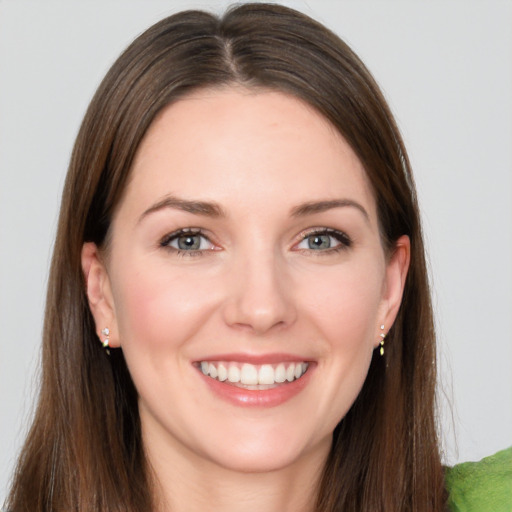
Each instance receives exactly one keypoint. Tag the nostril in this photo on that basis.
(258, 319)
(260, 299)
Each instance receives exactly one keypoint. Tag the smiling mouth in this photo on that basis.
(251, 376)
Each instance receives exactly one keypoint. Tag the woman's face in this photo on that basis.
(245, 281)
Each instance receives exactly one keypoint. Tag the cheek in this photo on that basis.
(158, 307)
(344, 303)
(345, 316)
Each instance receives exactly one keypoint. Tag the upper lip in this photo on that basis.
(255, 358)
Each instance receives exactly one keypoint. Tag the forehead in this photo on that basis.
(243, 146)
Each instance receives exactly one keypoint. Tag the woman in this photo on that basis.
(239, 229)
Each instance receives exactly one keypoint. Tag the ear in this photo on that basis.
(396, 274)
(99, 293)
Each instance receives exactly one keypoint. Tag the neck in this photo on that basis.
(186, 482)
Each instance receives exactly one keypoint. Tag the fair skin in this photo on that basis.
(282, 266)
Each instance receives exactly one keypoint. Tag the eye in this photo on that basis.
(187, 241)
(324, 240)
(318, 242)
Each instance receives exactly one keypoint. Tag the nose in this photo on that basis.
(260, 295)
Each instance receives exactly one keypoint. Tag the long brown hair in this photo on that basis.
(84, 451)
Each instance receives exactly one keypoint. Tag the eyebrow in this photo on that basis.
(196, 207)
(210, 209)
(311, 208)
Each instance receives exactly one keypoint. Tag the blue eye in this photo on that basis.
(324, 240)
(187, 241)
(319, 242)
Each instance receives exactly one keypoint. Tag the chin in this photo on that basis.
(266, 451)
(262, 462)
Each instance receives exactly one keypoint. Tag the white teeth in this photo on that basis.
(222, 373)
(234, 374)
(212, 371)
(280, 373)
(249, 374)
(252, 375)
(266, 375)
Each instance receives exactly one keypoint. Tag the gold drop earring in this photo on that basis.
(382, 338)
(105, 342)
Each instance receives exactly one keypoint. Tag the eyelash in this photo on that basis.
(344, 241)
(165, 242)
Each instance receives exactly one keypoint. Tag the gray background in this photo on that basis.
(446, 69)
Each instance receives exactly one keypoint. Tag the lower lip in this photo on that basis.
(258, 397)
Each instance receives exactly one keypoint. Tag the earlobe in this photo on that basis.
(396, 275)
(99, 294)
